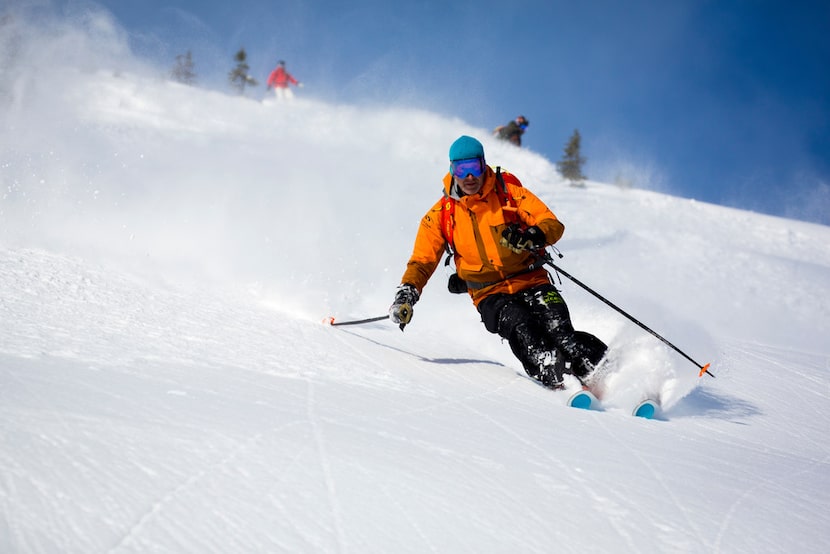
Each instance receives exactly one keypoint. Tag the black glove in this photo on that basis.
(400, 311)
(522, 240)
(456, 284)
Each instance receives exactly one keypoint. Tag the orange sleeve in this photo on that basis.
(429, 246)
(533, 211)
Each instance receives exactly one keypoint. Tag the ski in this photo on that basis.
(583, 400)
(647, 409)
(586, 400)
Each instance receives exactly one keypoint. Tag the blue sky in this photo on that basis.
(721, 101)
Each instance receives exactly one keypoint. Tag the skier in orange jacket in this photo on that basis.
(496, 230)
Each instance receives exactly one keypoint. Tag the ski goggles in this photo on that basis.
(470, 166)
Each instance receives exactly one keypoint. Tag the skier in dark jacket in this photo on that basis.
(513, 131)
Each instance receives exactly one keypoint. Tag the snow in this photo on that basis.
(168, 255)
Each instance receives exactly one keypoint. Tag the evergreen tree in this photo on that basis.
(571, 164)
(239, 77)
(183, 70)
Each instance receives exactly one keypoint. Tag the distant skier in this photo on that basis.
(513, 131)
(497, 231)
(280, 79)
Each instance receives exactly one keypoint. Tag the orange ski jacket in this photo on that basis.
(478, 221)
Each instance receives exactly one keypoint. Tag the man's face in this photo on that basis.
(468, 174)
(470, 184)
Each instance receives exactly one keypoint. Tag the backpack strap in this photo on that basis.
(508, 203)
(448, 224)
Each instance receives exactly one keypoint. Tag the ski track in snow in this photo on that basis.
(658, 478)
(171, 496)
(331, 488)
(773, 488)
(462, 402)
(601, 502)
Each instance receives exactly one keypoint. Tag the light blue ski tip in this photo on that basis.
(646, 409)
(581, 400)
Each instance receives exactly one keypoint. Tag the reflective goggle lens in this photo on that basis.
(462, 168)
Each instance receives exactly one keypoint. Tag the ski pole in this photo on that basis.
(330, 320)
(703, 368)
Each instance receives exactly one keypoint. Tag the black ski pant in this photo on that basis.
(535, 322)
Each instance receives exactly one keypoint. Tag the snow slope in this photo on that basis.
(167, 255)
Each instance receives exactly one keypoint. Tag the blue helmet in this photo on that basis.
(465, 148)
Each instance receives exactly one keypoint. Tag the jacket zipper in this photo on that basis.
(482, 251)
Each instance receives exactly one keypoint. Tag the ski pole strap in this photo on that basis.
(334, 323)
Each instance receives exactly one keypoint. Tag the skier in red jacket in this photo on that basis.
(280, 79)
